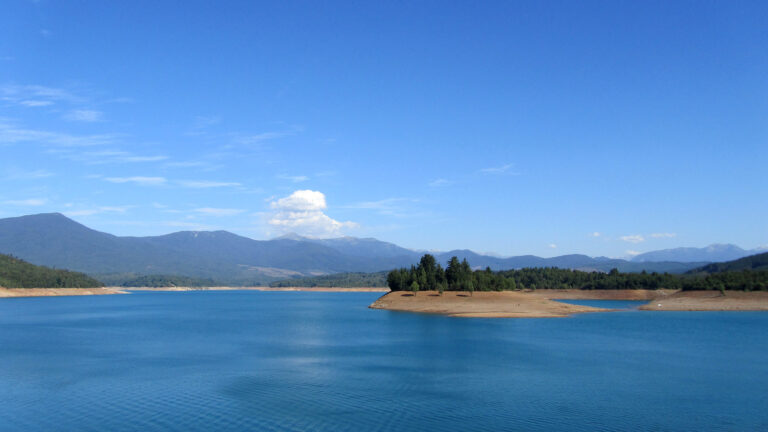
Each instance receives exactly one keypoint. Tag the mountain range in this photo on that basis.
(54, 240)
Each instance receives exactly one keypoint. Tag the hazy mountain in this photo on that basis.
(752, 262)
(711, 253)
(55, 240)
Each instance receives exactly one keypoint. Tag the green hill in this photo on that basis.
(15, 273)
(752, 262)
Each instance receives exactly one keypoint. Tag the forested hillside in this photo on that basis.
(753, 262)
(15, 273)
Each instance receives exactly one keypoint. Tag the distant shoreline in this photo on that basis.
(62, 292)
(506, 304)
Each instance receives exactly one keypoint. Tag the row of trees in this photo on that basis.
(459, 276)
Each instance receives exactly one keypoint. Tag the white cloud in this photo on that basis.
(439, 182)
(295, 179)
(663, 235)
(210, 211)
(26, 202)
(112, 156)
(632, 253)
(18, 174)
(552, 246)
(595, 234)
(259, 138)
(83, 115)
(11, 134)
(303, 212)
(635, 238)
(504, 169)
(36, 93)
(35, 103)
(204, 184)
(144, 181)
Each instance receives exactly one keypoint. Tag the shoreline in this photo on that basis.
(710, 301)
(522, 304)
(63, 292)
(504, 304)
(58, 292)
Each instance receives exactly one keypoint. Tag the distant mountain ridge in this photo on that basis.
(52, 239)
(711, 253)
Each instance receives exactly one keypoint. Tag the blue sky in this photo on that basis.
(605, 128)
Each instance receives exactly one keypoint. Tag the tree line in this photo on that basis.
(15, 273)
(429, 275)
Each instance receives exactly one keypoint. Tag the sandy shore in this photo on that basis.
(507, 304)
(574, 294)
(53, 292)
(710, 301)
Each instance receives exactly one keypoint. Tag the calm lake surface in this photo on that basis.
(261, 361)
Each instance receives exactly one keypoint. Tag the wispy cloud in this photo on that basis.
(211, 211)
(17, 174)
(595, 234)
(23, 94)
(504, 169)
(12, 134)
(144, 181)
(440, 182)
(259, 137)
(204, 184)
(35, 103)
(112, 156)
(635, 238)
(97, 210)
(31, 202)
(83, 115)
(295, 179)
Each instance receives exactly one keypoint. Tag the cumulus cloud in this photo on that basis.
(633, 253)
(303, 212)
(635, 238)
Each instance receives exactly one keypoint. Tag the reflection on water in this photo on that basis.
(236, 361)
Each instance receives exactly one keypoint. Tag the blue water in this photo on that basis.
(253, 361)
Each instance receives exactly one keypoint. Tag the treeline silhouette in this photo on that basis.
(429, 275)
(15, 273)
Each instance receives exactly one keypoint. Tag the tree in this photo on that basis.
(414, 287)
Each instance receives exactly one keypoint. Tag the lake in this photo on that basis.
(298, 361)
